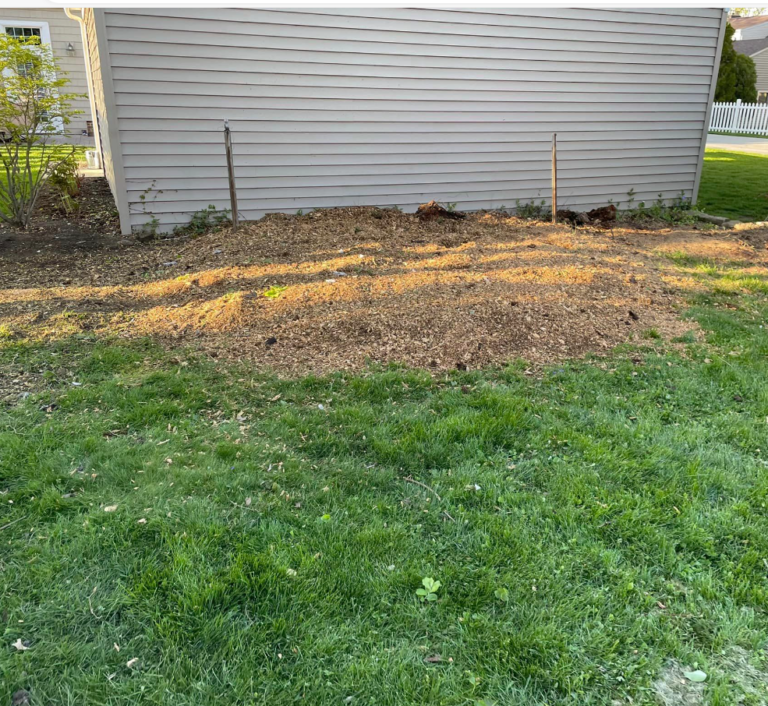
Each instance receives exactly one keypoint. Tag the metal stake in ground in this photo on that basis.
(231, 174)
(554, 177)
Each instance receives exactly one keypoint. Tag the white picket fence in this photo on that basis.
(749, 118)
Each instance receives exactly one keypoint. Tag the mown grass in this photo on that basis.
(592, 523)
(735, 185)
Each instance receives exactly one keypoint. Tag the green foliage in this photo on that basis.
(531, 210)
(673, 211)
(274, 291)
(733, 184)
(206, 220)
(737, 75)
(33, 109)
(429, 590)
(746, 11)
(65, 183)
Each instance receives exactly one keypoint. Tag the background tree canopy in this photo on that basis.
(737, 75)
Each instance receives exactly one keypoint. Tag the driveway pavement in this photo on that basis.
(753, 145)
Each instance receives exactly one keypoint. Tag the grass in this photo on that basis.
(734, 184)
(252, 540)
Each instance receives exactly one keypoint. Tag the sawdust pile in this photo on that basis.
(336, 289)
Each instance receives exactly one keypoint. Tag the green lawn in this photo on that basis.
(240, 539)
(734, 184)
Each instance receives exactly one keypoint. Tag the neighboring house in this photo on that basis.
(758, 50)
(394, 107)
(749, 27)
(63, 34)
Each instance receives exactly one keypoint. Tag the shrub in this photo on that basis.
(33, 110)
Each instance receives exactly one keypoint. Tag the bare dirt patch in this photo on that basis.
(52, 233)
(672, 688)
(338, 288)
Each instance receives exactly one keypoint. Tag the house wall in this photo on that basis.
(101, 121)
(761, 64)
(758, 31)
(63, 31)
(396, 107)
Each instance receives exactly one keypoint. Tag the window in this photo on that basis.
(89, 128)
(23, 32)
(762, 97)
(40, 33)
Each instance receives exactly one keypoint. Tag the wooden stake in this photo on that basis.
(231, 173)
(554, 178)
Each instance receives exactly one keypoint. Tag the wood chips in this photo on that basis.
(336, 289)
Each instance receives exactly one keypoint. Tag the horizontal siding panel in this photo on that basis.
(538, 182)
(225, 30)
(150, 104)
(328, 140)
(284, 23)
(148, 167)
(186, 154)
(216, 185)
(504, 128)
(587, 19)
(252, 119)
(150, 92)
(161, 42)
(237, 57)
(254, 80)
(416, 71)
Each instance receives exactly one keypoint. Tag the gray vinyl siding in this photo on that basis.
(394, 107)
(63, 31)
(761, 64)
(101, 121)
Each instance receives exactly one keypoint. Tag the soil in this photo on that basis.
(52, 233)
(340, 288)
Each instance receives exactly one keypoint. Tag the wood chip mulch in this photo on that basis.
(340, 288)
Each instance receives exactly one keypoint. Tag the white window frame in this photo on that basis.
(45, 38)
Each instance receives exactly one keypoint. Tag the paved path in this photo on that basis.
(753, 145)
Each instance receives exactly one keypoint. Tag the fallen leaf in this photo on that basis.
(19, 645)
(142, 521)
(131, 663)
(697, 676)
(248, 502)
(117, 647)
(433, 659)
(110, 508)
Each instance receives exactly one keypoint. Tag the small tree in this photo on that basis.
(737, 75)
(746, 11)
(33, 110)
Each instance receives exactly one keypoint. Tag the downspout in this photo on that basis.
(88, 77)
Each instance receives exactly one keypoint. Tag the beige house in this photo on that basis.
(758, 50)
(395, 107)
(63, 34)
